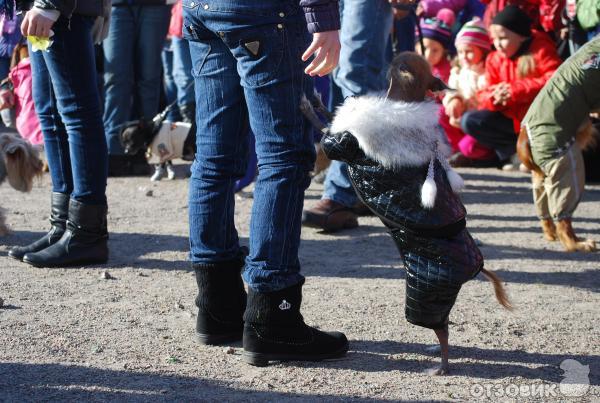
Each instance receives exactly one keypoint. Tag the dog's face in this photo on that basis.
(136, 136)
(21, 161)
(411, 78)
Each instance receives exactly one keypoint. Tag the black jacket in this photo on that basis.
(91, 8)
(389, 148)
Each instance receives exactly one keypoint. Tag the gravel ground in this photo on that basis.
(70, 334)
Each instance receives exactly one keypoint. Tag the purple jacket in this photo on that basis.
(321, 15)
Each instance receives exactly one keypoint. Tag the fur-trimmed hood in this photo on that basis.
(393, 133)
(397, 135)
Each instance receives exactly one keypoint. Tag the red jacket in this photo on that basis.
(499, 69)
(176, 24)
(545, 14)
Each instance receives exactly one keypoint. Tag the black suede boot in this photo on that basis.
(58, 219)
(274, 330)
(221, 301)
(84, 242)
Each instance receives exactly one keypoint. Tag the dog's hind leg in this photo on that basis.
(566, 235)
(549, 229)
(444, 368)
(4, 230)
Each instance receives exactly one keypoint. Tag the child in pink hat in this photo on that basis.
(437, 34)
(472, 45)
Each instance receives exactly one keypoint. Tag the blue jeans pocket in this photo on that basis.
(259, 56)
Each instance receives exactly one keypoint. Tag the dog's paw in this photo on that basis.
(438, 371)
(586, 245)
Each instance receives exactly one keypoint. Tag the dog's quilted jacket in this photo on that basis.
(438, 252)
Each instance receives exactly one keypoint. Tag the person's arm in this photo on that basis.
(38, 22)
(321, 15)
(323, 21)
(485, 97)
(524, 90)
(64, 7)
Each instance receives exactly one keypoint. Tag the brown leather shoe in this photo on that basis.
(329, 216)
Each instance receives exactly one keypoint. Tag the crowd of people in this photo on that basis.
(78, 72)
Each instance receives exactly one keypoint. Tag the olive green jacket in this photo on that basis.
(564, 103)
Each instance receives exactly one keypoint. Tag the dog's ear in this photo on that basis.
(22, 165)
(405, 86)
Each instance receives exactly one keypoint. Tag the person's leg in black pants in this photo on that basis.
(493, 130)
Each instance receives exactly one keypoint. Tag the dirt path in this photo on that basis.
(68, 334)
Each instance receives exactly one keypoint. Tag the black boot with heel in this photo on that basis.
(274, 330)
(84, 242)
(58, 219)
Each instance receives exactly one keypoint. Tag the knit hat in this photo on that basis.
(436, 29)
(473, 33)
(514, 19)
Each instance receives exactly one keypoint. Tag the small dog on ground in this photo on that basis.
(19, 163)
(164, 140)
(555, 130)
(397, 164)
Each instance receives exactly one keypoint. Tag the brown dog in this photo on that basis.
(19, 163)
(563, 229)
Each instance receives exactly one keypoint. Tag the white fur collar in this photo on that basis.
(393, 133)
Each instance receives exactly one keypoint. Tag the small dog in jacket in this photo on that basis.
(19, 163)
(397, 164)
(555, 130)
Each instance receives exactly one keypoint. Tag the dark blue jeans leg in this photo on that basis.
(182, 71)
(72, 70)
(362, 69)
(118, 75)
(56, 141)
(493, 130)
(151, 27)
(273, 82)
(169, 82)
(285, 151)
(222, 121)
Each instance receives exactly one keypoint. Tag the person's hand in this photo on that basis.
(501, 94)
(504, 92)
(420, 11)
(325, 47)
(455, 108)
(7, 99)
(35, 24)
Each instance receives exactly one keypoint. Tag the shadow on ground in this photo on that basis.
(56, 382)
(381, 356)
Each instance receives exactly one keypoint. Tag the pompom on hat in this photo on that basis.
(474, 33)
(439, 28)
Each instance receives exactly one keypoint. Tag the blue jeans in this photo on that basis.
(67, 102)
(362, 69)
(247, 69)
(169, 81)
(182, 71)
(132, 66)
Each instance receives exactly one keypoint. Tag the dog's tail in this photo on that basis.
(524, 152)
(587, 135)
(498, 288)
